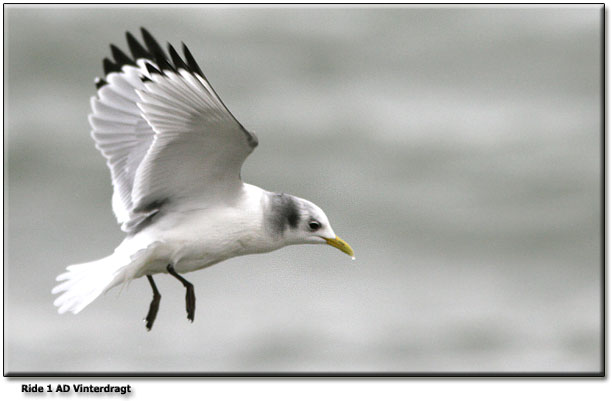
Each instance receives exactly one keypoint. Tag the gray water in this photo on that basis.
(456, 149)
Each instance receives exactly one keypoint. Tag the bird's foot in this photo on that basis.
(190, 302)
(190, 299)
(154, 306)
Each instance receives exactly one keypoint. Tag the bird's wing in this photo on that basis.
(122, 135)
(165, 133)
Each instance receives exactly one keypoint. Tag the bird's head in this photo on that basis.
(299, 221)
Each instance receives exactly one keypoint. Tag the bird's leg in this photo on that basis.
(154, 307)
(189, 297)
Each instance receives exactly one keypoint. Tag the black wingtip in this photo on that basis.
(151, 51)
(163, 64)
(153, 70)
(176, 59)
(152, 45)
(193, 66)
(136, 48)
(109, 66)
(100, 83)
(120, 57)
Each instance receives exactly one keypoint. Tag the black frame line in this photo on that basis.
(347, 375)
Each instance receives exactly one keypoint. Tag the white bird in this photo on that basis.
(175, 153)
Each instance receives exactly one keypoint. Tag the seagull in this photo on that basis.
(175, 154)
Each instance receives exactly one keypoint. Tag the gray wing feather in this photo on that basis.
(165, 134)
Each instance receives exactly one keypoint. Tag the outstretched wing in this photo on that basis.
(165, 133)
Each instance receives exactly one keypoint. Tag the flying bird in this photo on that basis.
(175, 153)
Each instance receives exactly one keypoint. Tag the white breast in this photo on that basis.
(194, 238)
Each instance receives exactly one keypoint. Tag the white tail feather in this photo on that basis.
(85, 282)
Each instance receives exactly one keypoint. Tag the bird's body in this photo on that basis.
(192, 238)
(175, 154)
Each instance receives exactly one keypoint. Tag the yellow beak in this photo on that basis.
(340, 244)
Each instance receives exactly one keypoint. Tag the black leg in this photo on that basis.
(154, 307)
(189, 297)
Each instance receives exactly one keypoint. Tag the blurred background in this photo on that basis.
(457, 149)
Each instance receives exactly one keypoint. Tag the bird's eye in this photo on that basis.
(314, 225)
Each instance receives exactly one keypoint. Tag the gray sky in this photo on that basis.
(457, 149)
